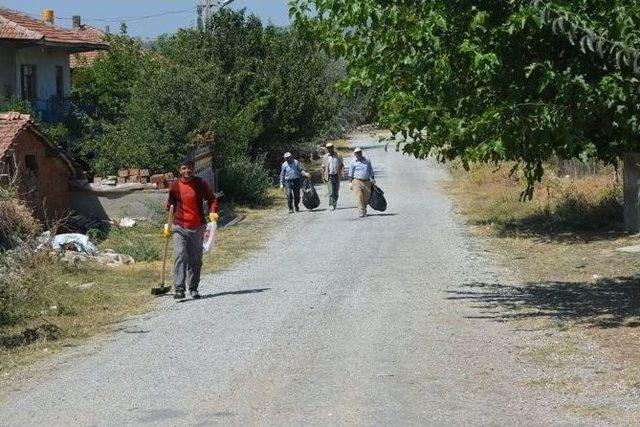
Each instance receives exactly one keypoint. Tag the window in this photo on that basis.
(28, 82)
(59, 81)
(30, 162)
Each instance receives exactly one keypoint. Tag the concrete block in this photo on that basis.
(123, 173)
(122, 180)
(97, 180)
(144, 172)
(134, 172)
(143, 179)
(133, 179)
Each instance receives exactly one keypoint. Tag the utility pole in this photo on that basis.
(205, 10)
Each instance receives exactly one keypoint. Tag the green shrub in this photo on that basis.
(246, 181)
(140, 251)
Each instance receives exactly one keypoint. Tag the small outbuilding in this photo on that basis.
(39, 169)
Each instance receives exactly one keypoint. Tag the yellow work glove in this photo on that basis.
(166, 231)
(213, 217)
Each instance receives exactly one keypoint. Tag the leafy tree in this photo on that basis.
(491, 81)
(104, 88)
(260, 90)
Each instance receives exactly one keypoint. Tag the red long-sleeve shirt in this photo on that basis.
(187, 198)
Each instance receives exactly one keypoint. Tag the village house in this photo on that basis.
(89, 33)
(39, 169)
(35, 60)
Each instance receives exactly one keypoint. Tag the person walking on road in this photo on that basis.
(290, 175)
(332, 169)
(187, 195)
(361, 180)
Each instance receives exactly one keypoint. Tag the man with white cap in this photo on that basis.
(332, 168)
(290, 175)
(361, 180)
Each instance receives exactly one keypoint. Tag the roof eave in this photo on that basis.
(73, 47)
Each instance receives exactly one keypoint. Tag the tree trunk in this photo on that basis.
(632, 192)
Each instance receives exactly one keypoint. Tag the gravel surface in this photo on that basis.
(339, 320)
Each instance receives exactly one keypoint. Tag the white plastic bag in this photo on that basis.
(209, 236)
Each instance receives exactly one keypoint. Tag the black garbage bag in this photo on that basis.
(377, 200)
(310, 198)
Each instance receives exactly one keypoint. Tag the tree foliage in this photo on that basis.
(492, 81)
(260, 90)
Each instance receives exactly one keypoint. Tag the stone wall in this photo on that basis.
(118, 203)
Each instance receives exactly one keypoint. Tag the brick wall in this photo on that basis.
(43, 177)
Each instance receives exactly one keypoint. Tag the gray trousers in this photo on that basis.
(334, 189)
(187, 257)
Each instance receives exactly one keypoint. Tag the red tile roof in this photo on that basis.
(21, 27)
(11, 124)
(87, 32)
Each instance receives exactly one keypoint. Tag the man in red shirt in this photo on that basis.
(187, 195)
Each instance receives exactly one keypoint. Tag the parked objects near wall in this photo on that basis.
(134, 192)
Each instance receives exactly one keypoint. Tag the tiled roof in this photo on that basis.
(10, 126)
(19, 26)
(92, 34)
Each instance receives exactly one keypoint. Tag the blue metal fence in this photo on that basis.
(52, 110)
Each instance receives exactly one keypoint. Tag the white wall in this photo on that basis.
(45, 59)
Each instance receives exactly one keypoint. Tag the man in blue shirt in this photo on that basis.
(361, 179)
(290, 175)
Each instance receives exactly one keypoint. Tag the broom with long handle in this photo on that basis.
(162, 288)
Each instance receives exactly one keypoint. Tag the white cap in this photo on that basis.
(287, 155)
(358, 150)
(329, 144)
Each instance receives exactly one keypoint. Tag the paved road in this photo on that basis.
(337, 321)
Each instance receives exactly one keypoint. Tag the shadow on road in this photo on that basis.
(607, 303)
(222, 294)
(382, 214)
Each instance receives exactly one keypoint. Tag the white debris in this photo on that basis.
(127, 222)
(74, 241)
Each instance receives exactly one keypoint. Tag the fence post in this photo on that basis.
(632, 192)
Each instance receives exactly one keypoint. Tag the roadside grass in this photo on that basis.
(78, 302)
(561, 207)
(574, 287)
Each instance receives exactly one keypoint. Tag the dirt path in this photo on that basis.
(337, 321)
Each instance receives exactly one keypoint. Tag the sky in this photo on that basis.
(95, 12)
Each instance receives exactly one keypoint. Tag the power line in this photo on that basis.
(134, 18)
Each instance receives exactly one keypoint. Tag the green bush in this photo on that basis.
(246, 181)
(140, 251)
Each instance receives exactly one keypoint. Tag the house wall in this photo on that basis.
(45, 59)
(7, 70)
(46, 190)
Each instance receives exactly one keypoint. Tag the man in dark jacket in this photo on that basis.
(187, 195)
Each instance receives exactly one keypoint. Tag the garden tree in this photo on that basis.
(259, 89)
(493, 80)
(105, 86)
